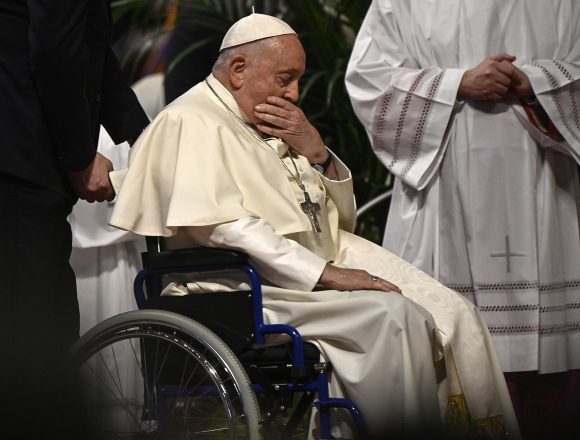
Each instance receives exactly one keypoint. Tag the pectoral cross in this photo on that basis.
(311, 208)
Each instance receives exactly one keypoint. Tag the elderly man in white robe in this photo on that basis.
(473, 106)
(234, 163)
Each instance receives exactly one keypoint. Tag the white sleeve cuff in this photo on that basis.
(281, 261)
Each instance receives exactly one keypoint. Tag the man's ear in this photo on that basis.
(237, 71)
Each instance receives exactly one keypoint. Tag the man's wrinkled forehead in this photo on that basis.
(283, 53)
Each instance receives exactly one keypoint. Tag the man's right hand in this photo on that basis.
(338, 278)
(490, 80)
(521, 87)
(92, 184)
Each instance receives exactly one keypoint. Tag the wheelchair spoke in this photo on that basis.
(145, 382)
(109, 390)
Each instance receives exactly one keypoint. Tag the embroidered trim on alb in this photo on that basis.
(514, 308)
(403, 116)
(571, 90)
(514, 285)
(420, 129)
(560, 308)
(528, 308)
(547, 330)
(381, 120)
(556, 98)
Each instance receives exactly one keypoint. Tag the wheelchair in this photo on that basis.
(197, 366)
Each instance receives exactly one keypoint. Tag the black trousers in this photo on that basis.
(39, 314)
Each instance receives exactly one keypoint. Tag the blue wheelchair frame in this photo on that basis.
(165, 262)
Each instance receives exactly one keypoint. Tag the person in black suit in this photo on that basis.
(59, 80)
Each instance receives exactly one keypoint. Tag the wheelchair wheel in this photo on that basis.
(159, 375)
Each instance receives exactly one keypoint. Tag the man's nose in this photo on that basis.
(292, 93)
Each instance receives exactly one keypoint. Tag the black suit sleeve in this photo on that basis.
(59, 60)
(121, 114)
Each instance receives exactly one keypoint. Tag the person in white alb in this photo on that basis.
(473, 106)
(234, 163)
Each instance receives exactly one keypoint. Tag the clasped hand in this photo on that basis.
(283, 119)
(92, 183)
(495, 79)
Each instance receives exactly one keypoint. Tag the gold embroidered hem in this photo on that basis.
(457, 416)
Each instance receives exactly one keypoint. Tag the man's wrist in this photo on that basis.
(531, 100)
(323, 166)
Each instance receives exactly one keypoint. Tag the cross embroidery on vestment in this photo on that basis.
(508, 254)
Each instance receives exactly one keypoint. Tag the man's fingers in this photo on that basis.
(280, 102)
(506, 67)
(392, 287)
(503, 56)
(496, 97)
(383, 285)
(502, 80)
(274, 120)
(272, 110)
(106, 194)
(97, 190)
(90, 198)
(98, 196)
(501, 90)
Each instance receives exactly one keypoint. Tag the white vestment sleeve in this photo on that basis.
(282, 261)
(341, 193)
(556, 84)
(405, 109)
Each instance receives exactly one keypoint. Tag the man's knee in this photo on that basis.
(402, 309)
(410, 323)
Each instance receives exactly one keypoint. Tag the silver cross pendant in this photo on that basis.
(311, 208)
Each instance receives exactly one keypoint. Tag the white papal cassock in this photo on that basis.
(199, 175)
(483, 201)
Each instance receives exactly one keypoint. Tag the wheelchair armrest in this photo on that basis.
(157, 262)
(201, 256)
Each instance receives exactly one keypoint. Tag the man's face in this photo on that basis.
(274, 71)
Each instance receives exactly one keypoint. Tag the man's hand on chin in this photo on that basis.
(283, 119)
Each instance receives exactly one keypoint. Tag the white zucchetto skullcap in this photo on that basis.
(255, 27)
